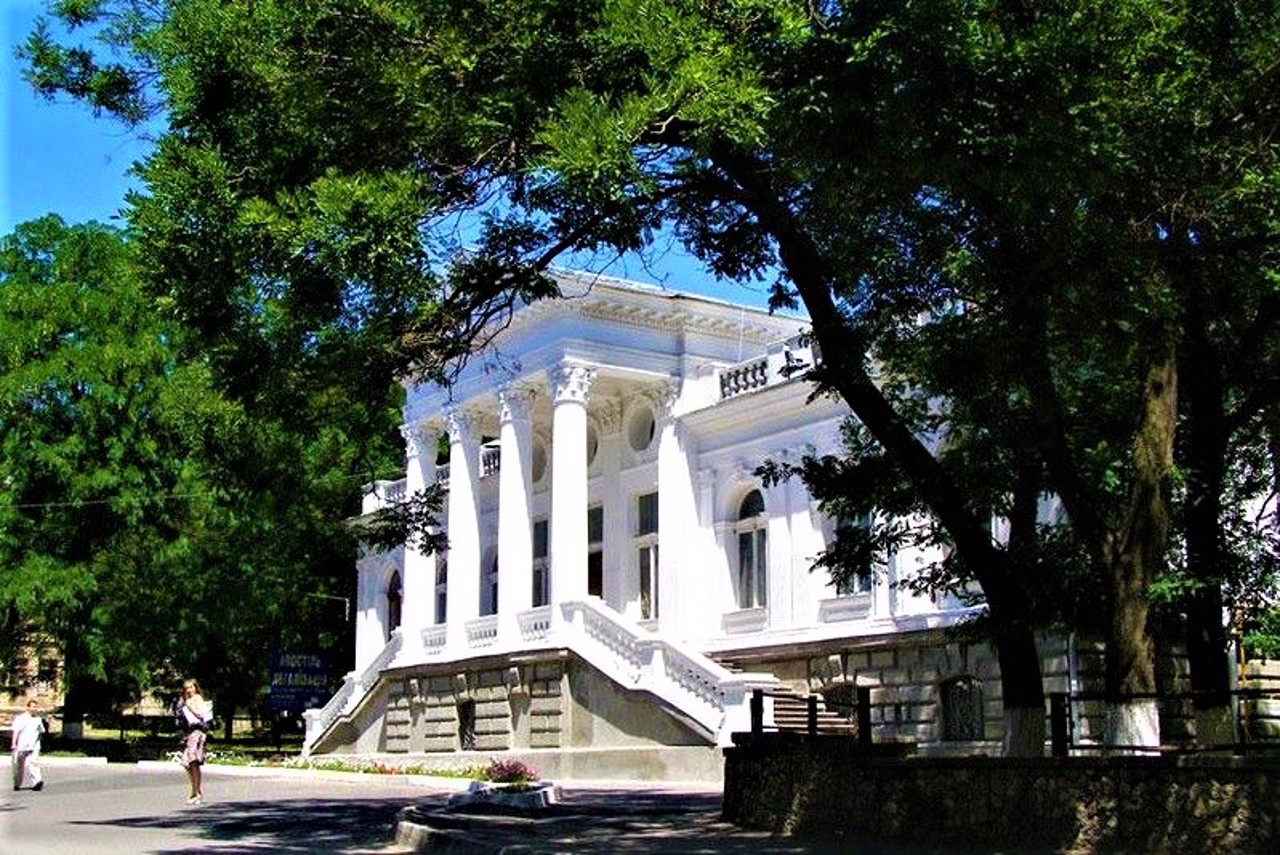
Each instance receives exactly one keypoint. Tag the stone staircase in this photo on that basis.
(791, 714)
(691, 686)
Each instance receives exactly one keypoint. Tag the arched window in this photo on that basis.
(753, 552)
(961, 699)
(395, 599)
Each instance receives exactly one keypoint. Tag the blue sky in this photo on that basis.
(59, 158)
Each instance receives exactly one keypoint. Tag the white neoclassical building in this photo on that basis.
(618, 579)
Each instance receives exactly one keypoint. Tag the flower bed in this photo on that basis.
(509, 783)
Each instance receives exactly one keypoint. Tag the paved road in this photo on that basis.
(105, 810)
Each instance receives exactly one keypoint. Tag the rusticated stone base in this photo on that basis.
(1079, 804)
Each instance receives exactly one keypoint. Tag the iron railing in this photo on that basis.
(1063, 708)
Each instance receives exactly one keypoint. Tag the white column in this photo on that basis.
(370, 638)
(677, 517)
(419, 567)
(570, 382)
(515, 524)
(612, 499)
(782, 502)
(700, 584)
(464, 529)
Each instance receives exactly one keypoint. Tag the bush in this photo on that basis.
(511, 772)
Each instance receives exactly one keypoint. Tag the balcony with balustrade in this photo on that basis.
(784, 362)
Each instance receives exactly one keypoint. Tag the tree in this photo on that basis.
(91, 424)
(976, 180)
(148, 523)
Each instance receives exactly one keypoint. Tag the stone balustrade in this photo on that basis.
(630, 655)
(785, 361)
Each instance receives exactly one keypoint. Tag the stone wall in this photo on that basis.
(1261, 716)
(907, 677)
(546, 710)
(1084, 805)
(437, 721)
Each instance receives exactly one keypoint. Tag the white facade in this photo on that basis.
(602, 500)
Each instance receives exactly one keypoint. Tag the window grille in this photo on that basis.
(962, 709)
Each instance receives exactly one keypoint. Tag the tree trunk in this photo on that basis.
(1135, 556)
(1206, 453)
(1023, 701)
(845, 355)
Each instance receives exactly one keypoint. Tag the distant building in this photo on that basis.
(34, 672)
(618, 579)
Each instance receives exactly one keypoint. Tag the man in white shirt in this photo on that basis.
(25, 742)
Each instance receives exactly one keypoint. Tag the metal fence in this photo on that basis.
(1252, 709)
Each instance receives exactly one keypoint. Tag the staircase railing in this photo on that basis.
(700, 688)
(693, 685)
(354, 688)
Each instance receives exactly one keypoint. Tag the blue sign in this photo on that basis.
(299, 681)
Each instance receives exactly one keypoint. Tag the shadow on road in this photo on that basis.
(293, 825)
(597, 820)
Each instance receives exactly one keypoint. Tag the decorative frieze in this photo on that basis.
(607, 414)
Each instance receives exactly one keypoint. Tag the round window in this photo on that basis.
(593, 444)
(640, 428)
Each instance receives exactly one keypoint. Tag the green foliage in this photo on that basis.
(1262, 636)
(1015, 211)
(138, 495)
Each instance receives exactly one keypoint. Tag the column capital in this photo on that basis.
(458, 422)
(662, 396)
(514, 403)
(419, 438)
(671, 394)
(570, 381)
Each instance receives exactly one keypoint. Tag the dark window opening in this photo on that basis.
(961, 709)
(394, 602)
(467, 725)
(595, 574)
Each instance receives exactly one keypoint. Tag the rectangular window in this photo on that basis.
(541, 573)
(649, 582)
(646, 543)
(753, 561)
(595, 574)
(595, 551)
(442, 589)
(647, 514)
(857, 532)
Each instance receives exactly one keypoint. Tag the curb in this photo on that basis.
(439, 831)
(433, 782)
(54, 760)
